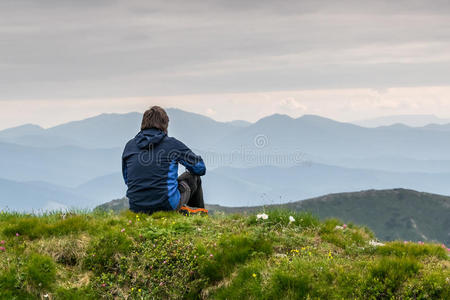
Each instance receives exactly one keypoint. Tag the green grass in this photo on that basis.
(395, 214)
(169, 256)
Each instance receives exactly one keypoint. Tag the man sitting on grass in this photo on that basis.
(150, 169)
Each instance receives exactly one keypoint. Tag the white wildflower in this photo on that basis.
(291, 219)
(375, 243)
(339, 227)
(280, 255)
(262, 216)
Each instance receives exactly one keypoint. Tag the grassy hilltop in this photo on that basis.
(170, 256)
(395, 214)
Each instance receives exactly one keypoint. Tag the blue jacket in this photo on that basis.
(150, 170)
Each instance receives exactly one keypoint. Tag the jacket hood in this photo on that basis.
(148, 137)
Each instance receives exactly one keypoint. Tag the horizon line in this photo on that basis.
(355, 122)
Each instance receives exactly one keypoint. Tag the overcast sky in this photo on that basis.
(68, 59)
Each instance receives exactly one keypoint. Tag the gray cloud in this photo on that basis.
(63, 49)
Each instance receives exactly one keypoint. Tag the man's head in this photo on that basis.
(155, 117)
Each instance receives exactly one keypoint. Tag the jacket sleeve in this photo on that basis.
(193, 163)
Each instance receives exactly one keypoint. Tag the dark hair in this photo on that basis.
(155, 117)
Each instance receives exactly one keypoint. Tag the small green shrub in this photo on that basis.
(388, 274)
(40, 272)
(247, 282)
(347, 238)
(153, 232)
(30, 227)
(103, 254)
(11, 286)
(357, 238)
(432, 286)
(411, 249)
(232, 250)
(35, 227)
(348, 280)
(289, 285)
(336, 238)
(329, 225)
(182, 228)
(8, 280)
(70, 225)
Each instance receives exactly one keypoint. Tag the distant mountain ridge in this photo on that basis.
(114, 130)
(327, 138)
(65, 165)
(26, 129)
(311, 134)
(274, 185)
(29, 196)
(38, 197)
(409, 120)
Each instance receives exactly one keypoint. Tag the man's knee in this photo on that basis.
(192, 180)
(195, 181)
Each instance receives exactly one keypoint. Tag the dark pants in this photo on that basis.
(190, 187)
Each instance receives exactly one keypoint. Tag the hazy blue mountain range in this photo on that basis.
(102, 188)
(409, 120)
(444, 127)
(34, 196)
(276, 159)
(114, 130)
(23, 130)
(272, 185)
(309, 134)
(40, 195)
(66, 165)
(240, 123)
(326, 138)
(103, 131)
(392, 164)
